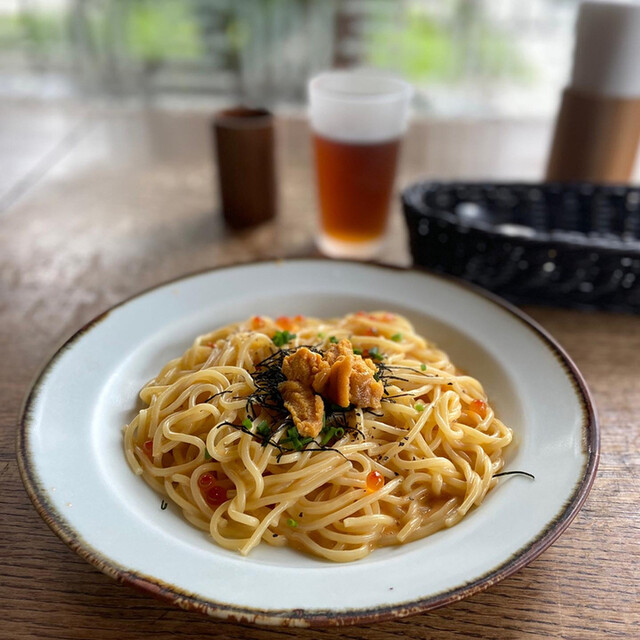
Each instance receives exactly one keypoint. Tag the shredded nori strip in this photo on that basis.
(268, 376)
(513, 473)
(401, 366)
(264, 440)
(215, 395)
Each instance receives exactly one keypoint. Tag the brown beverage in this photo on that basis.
(245, 153)
(355, 182)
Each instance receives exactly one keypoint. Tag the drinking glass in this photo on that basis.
(358, 119)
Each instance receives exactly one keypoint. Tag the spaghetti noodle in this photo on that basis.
(216, 437)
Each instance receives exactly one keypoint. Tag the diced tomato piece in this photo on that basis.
(479, 406)
(206, 480)
(215, 496)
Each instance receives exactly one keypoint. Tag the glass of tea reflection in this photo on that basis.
(358, 119)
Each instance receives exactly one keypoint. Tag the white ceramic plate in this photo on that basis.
(72, 463)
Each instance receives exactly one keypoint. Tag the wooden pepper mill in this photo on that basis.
(598, 125)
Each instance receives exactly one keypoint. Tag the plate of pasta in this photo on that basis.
(309, 442)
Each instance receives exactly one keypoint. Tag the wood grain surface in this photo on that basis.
(101, 205)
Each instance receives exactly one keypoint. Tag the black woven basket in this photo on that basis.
(557, 244)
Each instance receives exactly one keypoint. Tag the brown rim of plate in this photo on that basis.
(320, 618)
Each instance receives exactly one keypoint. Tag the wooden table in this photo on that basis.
(95, 206)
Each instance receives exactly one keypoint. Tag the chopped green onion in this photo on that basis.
(282, 337)
(423, 367)
(419, 407)
(207, 455)
(376, 376)
(357, 352)
(294, 439)
(396, 337)
(333, 340)
(374, 354)
(263, 429)
(330, 433)
(327, 436)
(247, 424)
(292, 523)
(321, 335)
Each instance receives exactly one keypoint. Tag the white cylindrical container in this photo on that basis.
(598, 126)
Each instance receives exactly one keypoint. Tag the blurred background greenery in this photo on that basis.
(480, 58)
